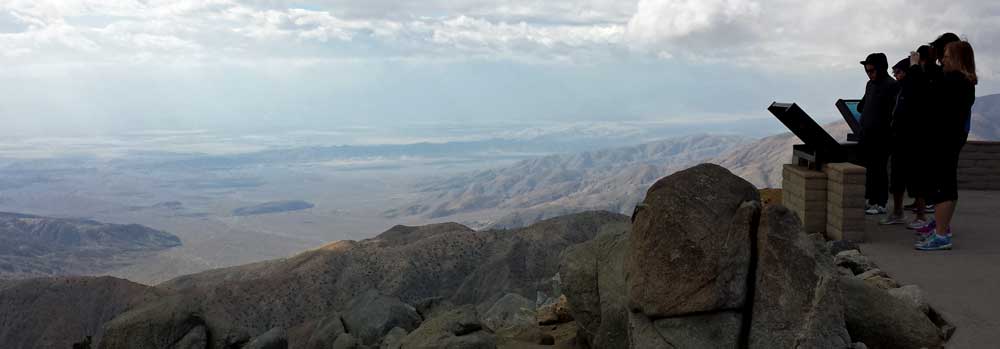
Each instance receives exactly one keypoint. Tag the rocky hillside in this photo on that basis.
(760, 162)
(702, 265)
(32, 246)
(541, 188)
(404, 273)
(57, 312)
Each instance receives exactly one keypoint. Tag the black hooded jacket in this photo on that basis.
(913, 116)
(876, 109)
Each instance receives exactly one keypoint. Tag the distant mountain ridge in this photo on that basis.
(986, 118)
(32, 246)
(610, 179)
(273, 207)
(614, 179)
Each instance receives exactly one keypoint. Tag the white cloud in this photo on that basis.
(658, 20)
(769, 34)
(793, 34)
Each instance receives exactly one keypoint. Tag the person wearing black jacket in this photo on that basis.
(954, 95)
(921, 75)
(876, 114)
(904, 143)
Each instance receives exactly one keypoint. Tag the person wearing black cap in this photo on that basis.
(876, 114)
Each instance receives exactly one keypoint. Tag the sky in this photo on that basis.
(82, 67)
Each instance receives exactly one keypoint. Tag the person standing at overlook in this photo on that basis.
(954, 96)
(905, 142)
(876, 114)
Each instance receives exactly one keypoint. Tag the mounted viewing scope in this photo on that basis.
(820, 148)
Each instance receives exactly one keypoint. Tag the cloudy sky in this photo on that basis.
(72, 67)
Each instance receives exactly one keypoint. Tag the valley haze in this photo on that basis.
(261, 197)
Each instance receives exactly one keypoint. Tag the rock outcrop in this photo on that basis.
(593, 275)
(690, 244)
(705, 265)
(797, 302)
(374, 285)
(456, 329)
(882, 321)
(57, 312)
(372, 315)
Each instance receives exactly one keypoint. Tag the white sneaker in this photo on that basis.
(876, 209)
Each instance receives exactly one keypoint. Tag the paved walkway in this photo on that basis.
(964, 283)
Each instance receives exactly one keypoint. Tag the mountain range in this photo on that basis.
(613, 179)
(610, 179)
(33, 246)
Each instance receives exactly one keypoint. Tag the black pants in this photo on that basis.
(876, 157)
(945, 169)
(904, 174)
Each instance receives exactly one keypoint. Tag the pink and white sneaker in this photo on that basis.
(916, 223)
(926, 228)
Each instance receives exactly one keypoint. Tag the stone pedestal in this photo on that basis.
(804, 192)
(845, 216)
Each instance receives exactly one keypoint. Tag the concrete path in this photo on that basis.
(963, 283)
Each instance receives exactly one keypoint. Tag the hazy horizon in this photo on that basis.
(97, 68)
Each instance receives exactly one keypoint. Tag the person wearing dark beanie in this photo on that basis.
(876, 114)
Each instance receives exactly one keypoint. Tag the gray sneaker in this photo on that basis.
(892, 219)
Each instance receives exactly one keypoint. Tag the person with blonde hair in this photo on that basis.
(954, 94)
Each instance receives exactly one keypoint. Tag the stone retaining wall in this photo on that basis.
(845, 205)
(829, 201)
(803, 191)
(979, 166)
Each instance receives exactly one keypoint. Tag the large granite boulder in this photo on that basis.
(712, 330)
(855, 261)
(323, 333)
(197, 338)
(556, 313)
(372, 315)
(167, 323)
(690, 244)
(393, 339)
(797, 302)
(510, 311)
(593, 279)
(880, 320)
(275, 338)
(459, 328)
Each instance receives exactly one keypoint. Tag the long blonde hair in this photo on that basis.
(959, 57)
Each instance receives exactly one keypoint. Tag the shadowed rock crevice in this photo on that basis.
(744, 341)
